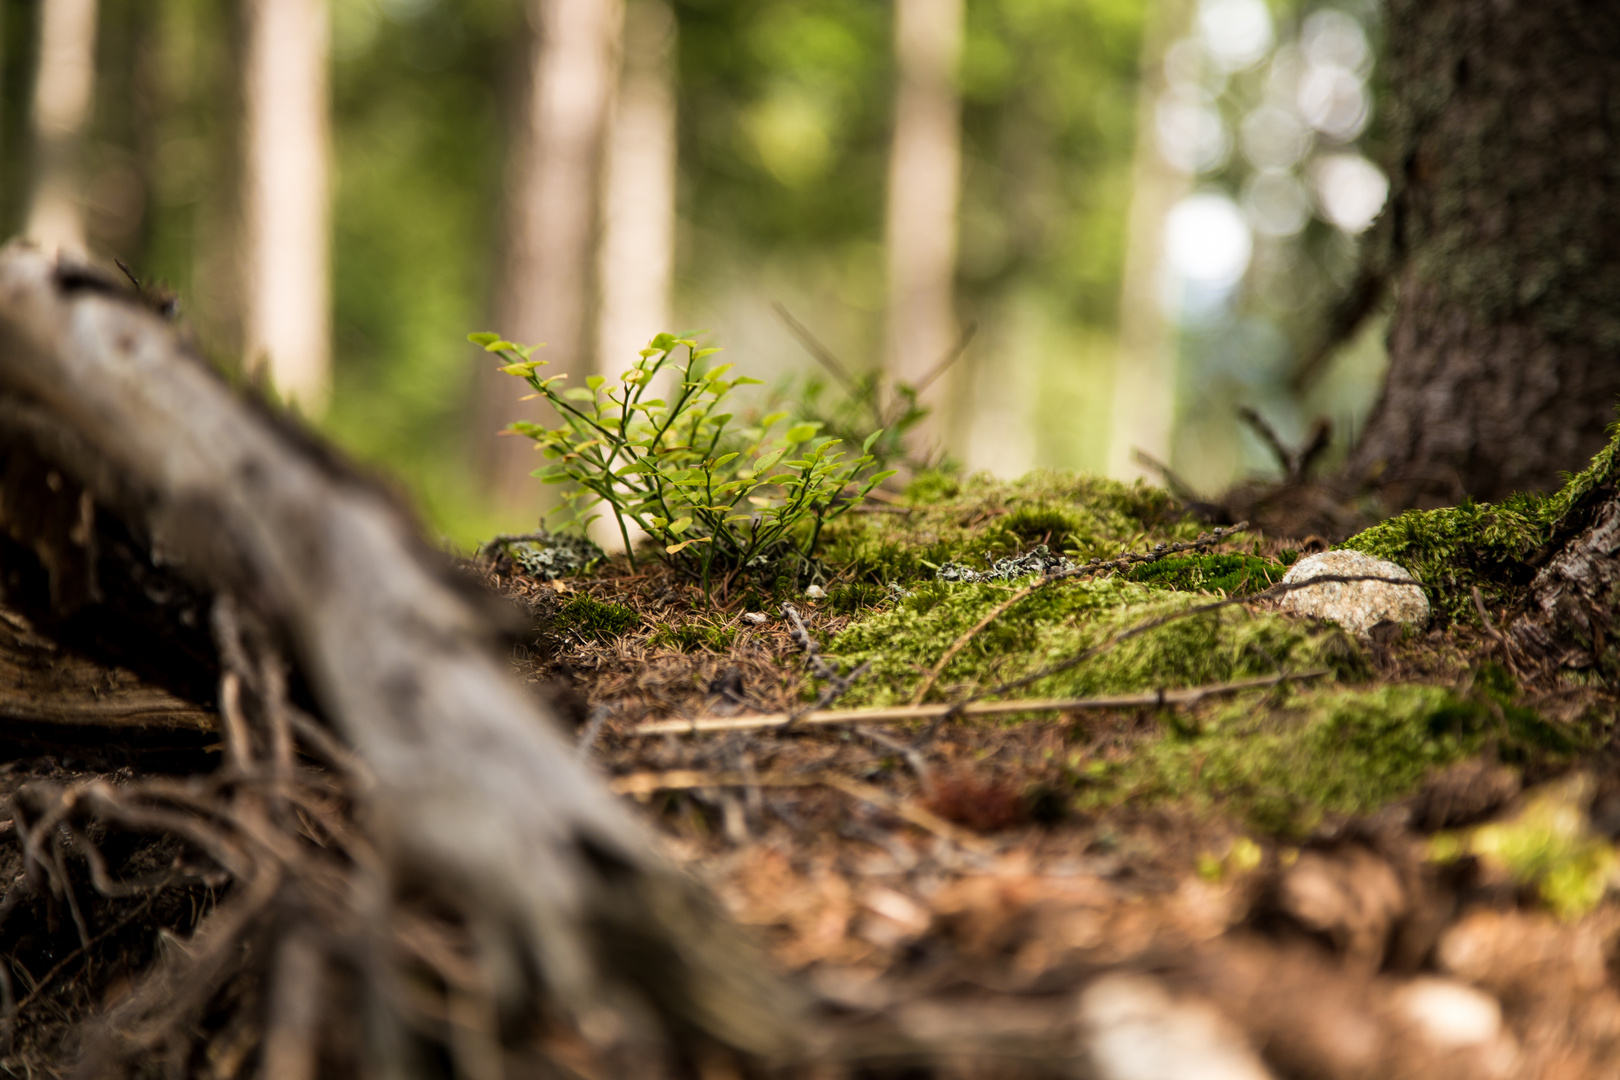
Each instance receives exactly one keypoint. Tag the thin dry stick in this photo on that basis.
(1095, 566)
(913, 757)
(944, 362)
(812, 345)
(1496, 635)
(837, 684)
(650, 783)
(894, 714)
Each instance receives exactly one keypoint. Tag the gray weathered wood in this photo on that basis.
(474, 792)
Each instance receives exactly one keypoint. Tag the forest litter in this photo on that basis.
(1214, 832)
(1124, 816)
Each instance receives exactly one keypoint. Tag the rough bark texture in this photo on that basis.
(1502, 240)
(139, 491)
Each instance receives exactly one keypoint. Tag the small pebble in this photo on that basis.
(815, 592)
(755, 618)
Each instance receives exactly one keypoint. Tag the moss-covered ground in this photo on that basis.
(1374, 723)
(1370, 798)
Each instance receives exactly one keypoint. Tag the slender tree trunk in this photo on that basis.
(924, 189)
(637, 257)
(1143, 416)
(64, 92)
(287, 312)
(1502, 241)
(553, 194)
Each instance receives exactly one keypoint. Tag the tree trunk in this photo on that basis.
(64, 92)
(924, 186)
(1144, 409)
(553, 194)
(636, 263)
(138, 494)
(1502, 242)
(287, 312)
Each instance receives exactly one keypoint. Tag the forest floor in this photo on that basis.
(1217, 839)
(1391, 858)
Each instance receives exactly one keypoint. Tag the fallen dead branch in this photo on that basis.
(899, 714)
(141, 501)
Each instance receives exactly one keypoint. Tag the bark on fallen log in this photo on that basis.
(137, 490)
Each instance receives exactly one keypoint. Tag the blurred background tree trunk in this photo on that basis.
(637, 257)
(637, 252)
(64, 92)
(286, 310)
(925, 166)
(1144, 390)
(1502, 242)
(554, 186)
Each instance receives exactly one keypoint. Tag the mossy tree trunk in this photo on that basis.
(1502, 241)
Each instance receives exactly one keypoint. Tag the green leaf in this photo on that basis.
(674, 548)
(870, 439)
(579, 393)
(877, 479)
(483, 338)
(767, 461)
(710, 351)
(773, 418)
(594, 381)
(798, 433)
(680, 525)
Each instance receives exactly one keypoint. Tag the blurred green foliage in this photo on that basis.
(784, 113)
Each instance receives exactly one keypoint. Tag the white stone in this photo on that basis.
(1355, 605)
(1452, 1015)
(1134, 1030)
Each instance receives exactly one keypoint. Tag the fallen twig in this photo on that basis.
(892, 714)
(1497, 636)
(838, 684)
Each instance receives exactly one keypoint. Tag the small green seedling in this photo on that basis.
(724, 494)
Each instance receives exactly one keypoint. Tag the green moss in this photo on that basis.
(1550, 844)
(1328, 750)
(849, 599)
(692, 636)
(904, 641)
(594, 619)
(1210, 573)
(1484, 546)
(977, 520)
(1455, 550)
